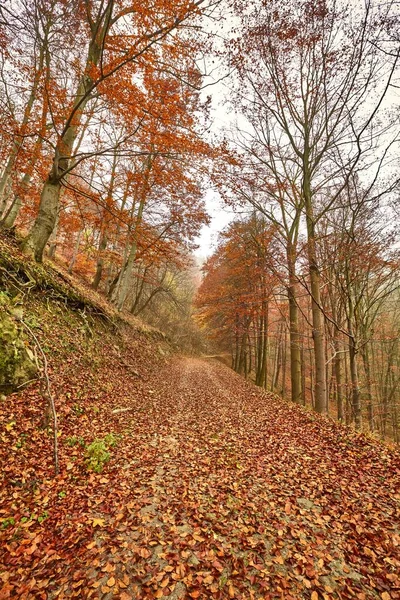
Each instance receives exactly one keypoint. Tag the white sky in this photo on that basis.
(220, 215)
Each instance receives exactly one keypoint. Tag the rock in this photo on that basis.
(17, 364)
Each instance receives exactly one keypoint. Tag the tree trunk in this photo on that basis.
(295, 351)
(12, 212)
(303, 376)
(317, 316)
(278, 360)
(76, 251)
(338, 377)
(53, 237)
(367, 371)
(36, 241)
(121, 290)
(284, 355)
(5, 197)
(355, 390)
(17, 144)
(100, 261)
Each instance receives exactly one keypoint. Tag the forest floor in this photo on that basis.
(214, 490)
(212, 487)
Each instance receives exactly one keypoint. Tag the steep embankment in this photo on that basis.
(212, 488)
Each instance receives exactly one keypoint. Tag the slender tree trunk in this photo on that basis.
(348, 387)
(303, 376)
(367, 371)
(356, 401)
(338, 377)
(317, 315)
(295, 351)
(284, 361)
(13, 210)
(5, 197)
(76, 251)
(121, 290)
(100, 260)
(278, 361)
(18, 142)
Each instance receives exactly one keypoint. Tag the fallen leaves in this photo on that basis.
(209, 494)
(98, 522)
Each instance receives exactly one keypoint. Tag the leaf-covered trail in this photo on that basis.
(218, 490)
(267, 499)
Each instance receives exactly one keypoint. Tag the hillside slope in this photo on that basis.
(178, 479)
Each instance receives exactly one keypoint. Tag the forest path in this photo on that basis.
(215, 489)
(252, 497)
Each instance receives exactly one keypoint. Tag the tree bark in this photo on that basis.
(338, 377)
(367, 371)
(100, 260)
(295, 350)
(36, 241)
(317, 316)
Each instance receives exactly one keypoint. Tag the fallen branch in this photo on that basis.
(47, 392)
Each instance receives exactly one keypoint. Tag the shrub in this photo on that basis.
(97, 453)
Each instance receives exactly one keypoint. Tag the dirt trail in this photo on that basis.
(254, 498)
(219, 490)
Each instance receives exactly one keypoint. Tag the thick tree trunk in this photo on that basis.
(53, 237)
(37, 239)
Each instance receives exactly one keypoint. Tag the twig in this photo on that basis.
(49, 395)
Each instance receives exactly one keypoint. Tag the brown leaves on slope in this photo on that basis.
(214, 490)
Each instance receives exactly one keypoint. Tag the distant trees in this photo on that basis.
(235, 296)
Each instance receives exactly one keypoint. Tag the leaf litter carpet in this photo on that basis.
(215, 489)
